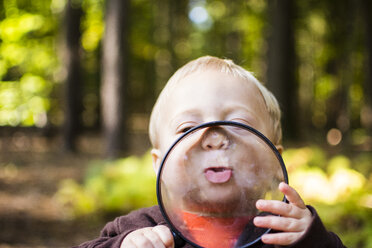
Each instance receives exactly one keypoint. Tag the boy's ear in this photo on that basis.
(156, 159)
(280, 149)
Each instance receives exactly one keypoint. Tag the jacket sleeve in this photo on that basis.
(114, 232)
(317, 235)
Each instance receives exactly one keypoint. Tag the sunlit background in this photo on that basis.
(316, 57)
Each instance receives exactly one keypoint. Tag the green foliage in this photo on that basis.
(28, 62)
(115, 186)
(24, 102)
(341, 194)
(325, 180)
(162, 36)
(92, 24)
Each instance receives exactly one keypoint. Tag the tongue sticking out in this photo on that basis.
(218, 175)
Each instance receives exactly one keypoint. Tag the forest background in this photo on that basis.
(78, 79)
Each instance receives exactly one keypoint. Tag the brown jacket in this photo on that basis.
(114, 232)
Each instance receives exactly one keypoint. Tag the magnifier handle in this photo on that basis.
(178, 241)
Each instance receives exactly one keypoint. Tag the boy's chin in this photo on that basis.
(219, 203)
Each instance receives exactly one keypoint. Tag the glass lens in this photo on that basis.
(210, 181)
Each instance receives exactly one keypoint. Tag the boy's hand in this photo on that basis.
(293, 221)
(149, 237)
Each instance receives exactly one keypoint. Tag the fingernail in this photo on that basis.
(257, 221)
(260, 203)
(282, 184)
(264, 238)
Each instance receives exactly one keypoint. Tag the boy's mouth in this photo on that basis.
(218, 174)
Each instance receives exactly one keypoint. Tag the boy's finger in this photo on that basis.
(278, 223)
(154, 239)
(165, 235)
(292, 195)
(286, 238)
(279, 208)
(141, 241)
(128, 244)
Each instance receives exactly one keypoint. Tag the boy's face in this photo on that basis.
(216, 163)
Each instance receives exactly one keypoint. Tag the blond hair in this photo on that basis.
(223, 65)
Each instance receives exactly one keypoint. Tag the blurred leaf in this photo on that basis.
(120, 185)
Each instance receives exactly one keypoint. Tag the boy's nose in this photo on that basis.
(215, 139)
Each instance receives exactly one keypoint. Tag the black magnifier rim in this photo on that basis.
(201, 126)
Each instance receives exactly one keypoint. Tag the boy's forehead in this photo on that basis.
(209, 74)
(219, 79)
(208, 83)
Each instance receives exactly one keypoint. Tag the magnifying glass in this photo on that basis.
(210, 179)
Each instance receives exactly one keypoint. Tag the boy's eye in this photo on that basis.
(184, 126)
(185, 129)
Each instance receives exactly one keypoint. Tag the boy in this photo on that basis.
(210, 89)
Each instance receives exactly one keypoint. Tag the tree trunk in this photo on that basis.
(2, 10)
(341, 20)
(178, 28)
(281, 77)
(114, 77)
(73, 84)
(366, 115)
